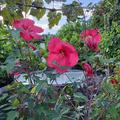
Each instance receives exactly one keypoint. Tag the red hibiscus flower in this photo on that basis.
(88, 69)
(92, 38)
(114, 81)
(91, 34)
(28, 31)
(32, 47)
(61, 55)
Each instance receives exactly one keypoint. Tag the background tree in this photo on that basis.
(13, 10)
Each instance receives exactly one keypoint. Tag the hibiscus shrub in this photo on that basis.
(5, 44)
(93, 98)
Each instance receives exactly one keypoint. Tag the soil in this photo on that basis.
(5, 81)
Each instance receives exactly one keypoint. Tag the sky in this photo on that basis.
(43, 22)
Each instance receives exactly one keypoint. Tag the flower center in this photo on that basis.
(62, 53)
(88, 37)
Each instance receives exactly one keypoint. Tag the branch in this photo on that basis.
(46, 8)
(38, 7)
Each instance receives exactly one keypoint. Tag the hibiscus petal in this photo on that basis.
(54, 61)
(23, 23)
(26, 36)
(92, 44)
(36, 29)
(70, 54)
(63, 61)
(84, 34)
(35, 36)
(69, 47)
(52, 58)
(73, 59)
(26, 23)
(17, 24)
(52, 43)
(96, 34)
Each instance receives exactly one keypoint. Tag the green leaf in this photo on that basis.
(16, 103)
(39, 13)
(53, 18)
(31, 103)
(65, 110)
(80, 97)
(4, 96)
(33, 90)
(12, 115)
(117, 106)
(112, 110)
(7, 108)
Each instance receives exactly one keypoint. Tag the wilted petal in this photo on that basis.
(88, 69)
(32, 47)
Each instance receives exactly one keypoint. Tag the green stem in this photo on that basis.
(59, 97)
(30, 61)
(20, 51)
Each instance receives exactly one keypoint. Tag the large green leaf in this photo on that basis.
(12, 115)
(39, 13)
(53, 18)
(15, 102)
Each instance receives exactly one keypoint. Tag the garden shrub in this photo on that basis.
(93, 46)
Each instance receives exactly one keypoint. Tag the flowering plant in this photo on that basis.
(42, 97)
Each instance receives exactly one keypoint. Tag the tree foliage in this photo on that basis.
(13, 10)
